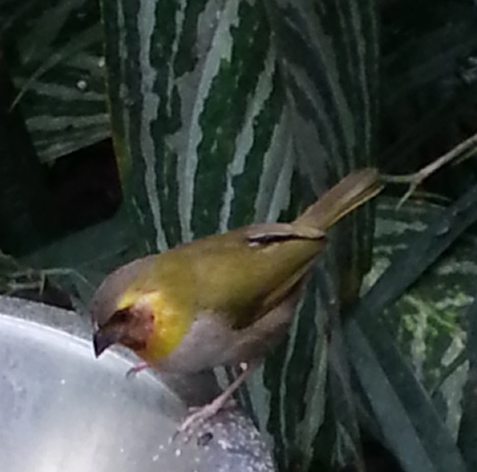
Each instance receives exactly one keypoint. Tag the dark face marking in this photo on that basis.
(130, 327)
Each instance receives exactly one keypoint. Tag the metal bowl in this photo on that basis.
(63, 410)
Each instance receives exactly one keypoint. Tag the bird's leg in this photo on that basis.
(205, 412)
(133, 371)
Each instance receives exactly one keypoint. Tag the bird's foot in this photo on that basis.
(133, 371)
(199, 415)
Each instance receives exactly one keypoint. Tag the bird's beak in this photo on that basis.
(101, 342)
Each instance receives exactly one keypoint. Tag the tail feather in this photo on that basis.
(349, 193)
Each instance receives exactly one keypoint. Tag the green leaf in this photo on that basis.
(468, 427)
(226, 113)
(428, 319)
(58, 68)
(328, 58)
(425, 249)
(329, 86)
(422, 424)
(409, 424)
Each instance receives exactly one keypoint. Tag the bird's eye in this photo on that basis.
(121, 316)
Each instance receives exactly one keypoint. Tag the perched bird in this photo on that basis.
(224, 299)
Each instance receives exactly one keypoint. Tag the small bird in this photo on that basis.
(223, 299)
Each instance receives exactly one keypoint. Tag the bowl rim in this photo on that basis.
(188, 390)
(62, 321)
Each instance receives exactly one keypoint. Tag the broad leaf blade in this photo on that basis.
(468, 426)
(405, 268)
(215, 130)
(59, 72)
(328, 58)
(410, 425)
(428, 320)
(328, 62)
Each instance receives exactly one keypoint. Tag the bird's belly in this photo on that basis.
(210, 342)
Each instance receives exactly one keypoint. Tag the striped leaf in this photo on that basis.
(412, 424)
(429, 319)
(433, 323)
(230, 112)
(467, 436)
(55, 51)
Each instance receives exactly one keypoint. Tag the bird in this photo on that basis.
(222, 300)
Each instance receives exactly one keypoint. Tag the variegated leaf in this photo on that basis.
(467, 435)
(432, 321)
(55, 52)
(428, 321)
(229, 112)
(411, 423)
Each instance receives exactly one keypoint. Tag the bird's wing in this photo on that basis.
(245, 273)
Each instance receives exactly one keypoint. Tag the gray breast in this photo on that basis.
(210, 342)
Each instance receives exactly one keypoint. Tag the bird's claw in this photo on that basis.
(133, 371)
(230, 403)
(199, 415)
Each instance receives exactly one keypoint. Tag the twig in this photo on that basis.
(416, 179)
(67, 271)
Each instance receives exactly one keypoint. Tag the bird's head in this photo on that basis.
(130, 324)
(121, 310)
(136, 308)
(130, 327)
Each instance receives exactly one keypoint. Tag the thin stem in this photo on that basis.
(416, 178)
